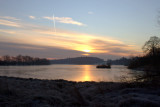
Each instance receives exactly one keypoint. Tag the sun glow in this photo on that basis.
(86, 54)
(84, 48)
(87, 51)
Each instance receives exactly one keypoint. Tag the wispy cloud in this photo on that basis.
(32, 17)
(7, 31)
(17, 23)
(90, 12)
(9, 17)
(9, 23)
(114, 48)
(67, 20)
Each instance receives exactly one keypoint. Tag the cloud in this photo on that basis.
(7, 31)
(9, 23)
(72, 41)
(96, 44)
(66, 20)
(4, 45)
(17, 23)
(90, 12)
(42, 36)
(9, 17)
(14, 49)
(32, 17)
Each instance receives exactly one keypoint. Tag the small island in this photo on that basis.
(104, 66)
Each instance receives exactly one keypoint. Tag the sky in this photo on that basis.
(56, 29)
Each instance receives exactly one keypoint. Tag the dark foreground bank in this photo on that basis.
(18, 92)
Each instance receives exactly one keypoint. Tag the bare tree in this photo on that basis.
(6, 58)
(152, 46)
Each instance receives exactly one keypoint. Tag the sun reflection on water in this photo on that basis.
(87, 73)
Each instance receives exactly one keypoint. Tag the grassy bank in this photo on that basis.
(39, 93)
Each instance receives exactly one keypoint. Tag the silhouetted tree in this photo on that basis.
(149, 62)
(152, 46)
(6, 58)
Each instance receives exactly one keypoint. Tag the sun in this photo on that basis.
(86, 50)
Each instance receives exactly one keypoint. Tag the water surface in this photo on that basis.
(67, 72)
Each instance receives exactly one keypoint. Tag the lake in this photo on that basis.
(68, 72)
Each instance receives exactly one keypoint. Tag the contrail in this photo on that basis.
(54, 24)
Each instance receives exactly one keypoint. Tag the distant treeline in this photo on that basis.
(121, 61)
(78, 60)
(22, 60)
(145, 62)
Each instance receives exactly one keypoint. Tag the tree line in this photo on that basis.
(121, 61)
(150, 62)
(22, 60)
(151, 56)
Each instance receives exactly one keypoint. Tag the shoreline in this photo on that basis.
(38, 93)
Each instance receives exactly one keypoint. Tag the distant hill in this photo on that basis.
(121, 61)
(78, 60)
